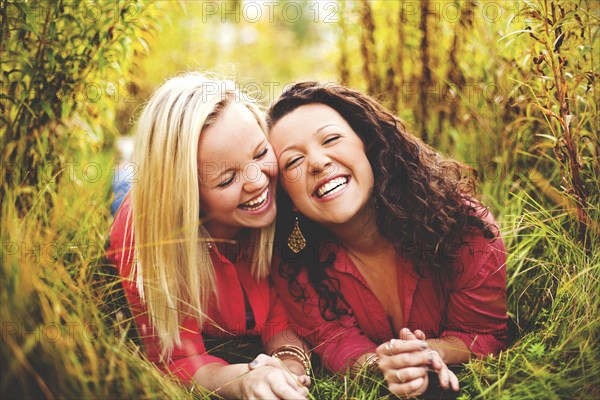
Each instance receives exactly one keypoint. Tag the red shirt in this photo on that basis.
(226, 319)
(471, 305)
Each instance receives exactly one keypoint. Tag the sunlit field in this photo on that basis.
(511, 88)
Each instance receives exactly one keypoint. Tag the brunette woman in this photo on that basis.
(390, 261)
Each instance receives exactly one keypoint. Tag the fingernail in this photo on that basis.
(254, 363)
(430, 357)
(424, 344)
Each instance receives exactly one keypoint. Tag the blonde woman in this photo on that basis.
(193, 241)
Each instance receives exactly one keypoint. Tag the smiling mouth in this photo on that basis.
(257, 202)
(331, 187)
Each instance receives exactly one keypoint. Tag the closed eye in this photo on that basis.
(331, 138)
(292, 162)
(261, 154)
(226, 182)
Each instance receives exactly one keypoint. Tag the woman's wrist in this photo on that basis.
(368, 362)
(294, 366)
(225, 380)
(294, 355)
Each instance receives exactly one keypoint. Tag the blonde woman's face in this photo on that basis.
(237, 174)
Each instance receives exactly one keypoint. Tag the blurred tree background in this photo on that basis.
(509, 87)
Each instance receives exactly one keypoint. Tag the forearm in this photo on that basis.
(284, 338)
(365, 362)
(224, 380)
(451, 348)
(360, 361)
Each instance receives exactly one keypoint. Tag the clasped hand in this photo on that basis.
(269, 378)
(405, 362)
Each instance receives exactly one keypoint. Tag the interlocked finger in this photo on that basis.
(395, 346)
(399, 376)
(409, 389)
(404, 375)
(389, 348)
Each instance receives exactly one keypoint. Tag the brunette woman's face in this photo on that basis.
(322, 163)
(237, 173)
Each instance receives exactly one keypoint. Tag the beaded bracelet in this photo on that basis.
(372, 362)
(295, 352)
(370, 365)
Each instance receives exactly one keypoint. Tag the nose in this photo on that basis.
(318, 165)
(255, 178)
(318, 161)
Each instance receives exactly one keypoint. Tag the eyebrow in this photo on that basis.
(221, 173)
(314, 134)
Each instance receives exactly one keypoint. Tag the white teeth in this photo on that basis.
(333, 186)
(257, 202)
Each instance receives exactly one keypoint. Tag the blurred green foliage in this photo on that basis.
(509, 87)
(261, 47)
(62, 64)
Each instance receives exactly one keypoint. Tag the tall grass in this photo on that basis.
(61, 337)
(57, 341)
(554, 298)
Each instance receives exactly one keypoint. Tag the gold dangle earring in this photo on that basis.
(296, 241)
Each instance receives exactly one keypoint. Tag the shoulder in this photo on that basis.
(475, 240)
(476, 255)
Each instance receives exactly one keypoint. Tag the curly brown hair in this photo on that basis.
(424, 202)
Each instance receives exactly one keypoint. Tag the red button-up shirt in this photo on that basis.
(471, 305)
(226, 319)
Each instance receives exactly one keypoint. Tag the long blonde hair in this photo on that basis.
(173, 270)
